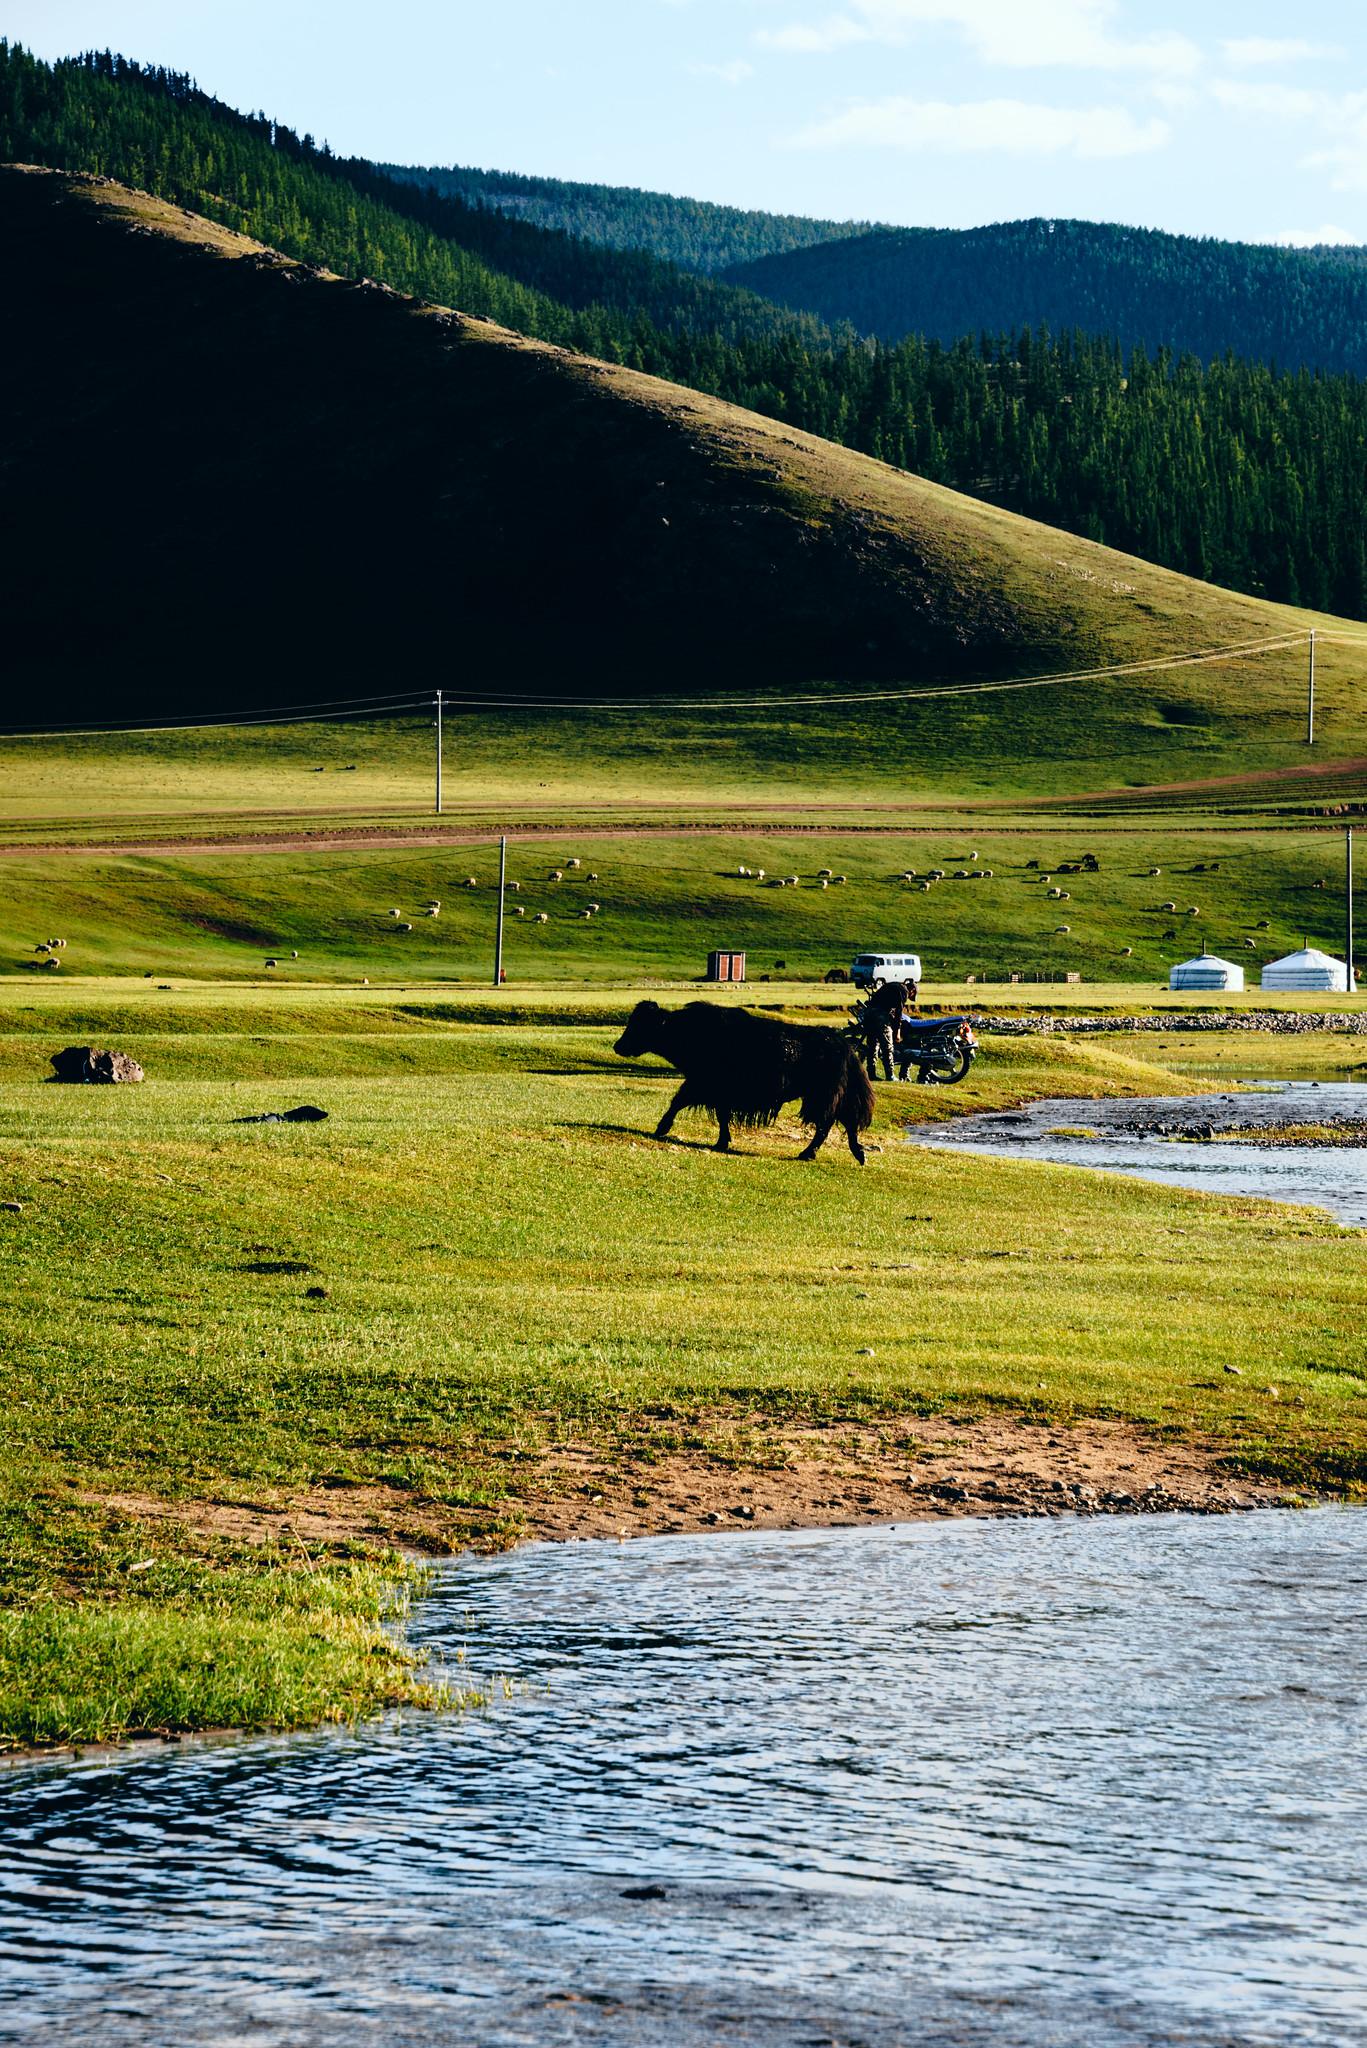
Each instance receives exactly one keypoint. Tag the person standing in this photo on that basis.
(883, 1014)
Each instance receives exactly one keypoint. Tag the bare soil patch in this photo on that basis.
(898, 1469)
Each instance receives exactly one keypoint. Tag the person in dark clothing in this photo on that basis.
(882, 1021)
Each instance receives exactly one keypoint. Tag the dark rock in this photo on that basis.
(85, 1063)
(645, 1891)
(315, 1294)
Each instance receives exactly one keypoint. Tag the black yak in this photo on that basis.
(744, 1068)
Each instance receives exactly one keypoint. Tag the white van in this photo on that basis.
(871, 970)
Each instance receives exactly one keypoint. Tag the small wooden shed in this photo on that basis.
(725, 965)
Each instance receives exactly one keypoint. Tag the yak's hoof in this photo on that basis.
(859, 1154)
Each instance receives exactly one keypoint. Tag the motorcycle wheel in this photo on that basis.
(948, 1070)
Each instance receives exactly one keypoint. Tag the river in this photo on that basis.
(1036, 1784)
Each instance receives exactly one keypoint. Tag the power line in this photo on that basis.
(379, 706)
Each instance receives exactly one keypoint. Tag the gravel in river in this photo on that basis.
(1152, 1137)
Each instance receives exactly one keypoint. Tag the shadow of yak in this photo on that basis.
(744, 1068)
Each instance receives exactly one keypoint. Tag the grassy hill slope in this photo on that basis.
(243, 481)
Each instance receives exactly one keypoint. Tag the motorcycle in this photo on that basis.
(942, 1049)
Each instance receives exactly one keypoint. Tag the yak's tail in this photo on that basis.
(846, 1098)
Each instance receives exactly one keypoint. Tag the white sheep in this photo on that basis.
(470, 882)
(759, 875)
(742, 872)
(519, 910)
(542, 917)
(1056, 892)
(595, 906)
(393, 913)
(434, 903)
(827, 872)
(987, 874)
(1064, 895)
(1061, 929)
(1167, 906)
(53, 961)
(573, 863)
(434, 912)
(823, 883)
(591, 877)
(555, 875)
(1126, 951)
(405, 927)
(586, 913)
(908, 874)
(272, 963)
(1155, 871)
(838, 880)
(295, 954)
(1193, 910)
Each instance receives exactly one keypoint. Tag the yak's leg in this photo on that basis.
(852, 1133)
(819, 1137)
(723, 1130)
(682, 1100)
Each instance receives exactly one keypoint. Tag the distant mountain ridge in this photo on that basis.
(1298, 308)
(699, 234)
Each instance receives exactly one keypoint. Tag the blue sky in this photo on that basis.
(1204, 116)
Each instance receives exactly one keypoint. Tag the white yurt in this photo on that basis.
(1208, 971)
(1308, 969)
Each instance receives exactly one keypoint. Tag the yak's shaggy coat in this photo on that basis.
(744, 1068)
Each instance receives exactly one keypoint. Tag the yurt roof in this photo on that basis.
(1309, 957)
(1210, 961)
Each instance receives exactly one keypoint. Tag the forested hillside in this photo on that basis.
(1300, 308)
(696, 233)
(1232, 472)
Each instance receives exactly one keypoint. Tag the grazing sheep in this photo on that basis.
(1167, 906)
(53, 961)
(791, 881)
(586, 913)
(405, 927)
(43, 948)
(827, 872)
(1062, 928)
(987, 874)
(574, 863)
(470, 882)
(595, 906)
(295, 954)
(759, 875)
(1155, 871)
(1193, 910)
(1064, 895)
(434, 912)
(1126, 951)
(592, 876)
(519, 910)
(838, 880)
(823, 883)
(555, 875)
(393, 913)
(744, 1068)
(925, 886)
(542, 917)
(1248, 943)
(1170, 933)
(1032, 863)
(742, 873)
(1056, 892)
(272, 963)
(516, 887)
(974, 855)
(961, 874)
(1264, 924)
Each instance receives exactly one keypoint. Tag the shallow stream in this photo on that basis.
(1112, 1135)
(1036, 1784)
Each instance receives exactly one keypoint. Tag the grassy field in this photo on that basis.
(665, 898)
(500, 1262)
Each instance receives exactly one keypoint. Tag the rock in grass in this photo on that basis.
(315, 1294)
(86, 1063)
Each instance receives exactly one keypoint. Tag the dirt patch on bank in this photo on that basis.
(757, 1475)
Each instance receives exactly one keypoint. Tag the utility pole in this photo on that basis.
(439, 746)
(1310, 695)
(502, 884)
(1348, 908)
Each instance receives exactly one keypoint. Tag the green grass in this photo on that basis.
(666, 898)
(508, 1261)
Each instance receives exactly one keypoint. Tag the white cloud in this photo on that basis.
(1314, 238)
(1076, 34)
(734, 73)
(1274, 50)
(1017, 127)
(1281, 102)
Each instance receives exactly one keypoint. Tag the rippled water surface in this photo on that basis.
(1034, 1785)
(1329, 1177)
